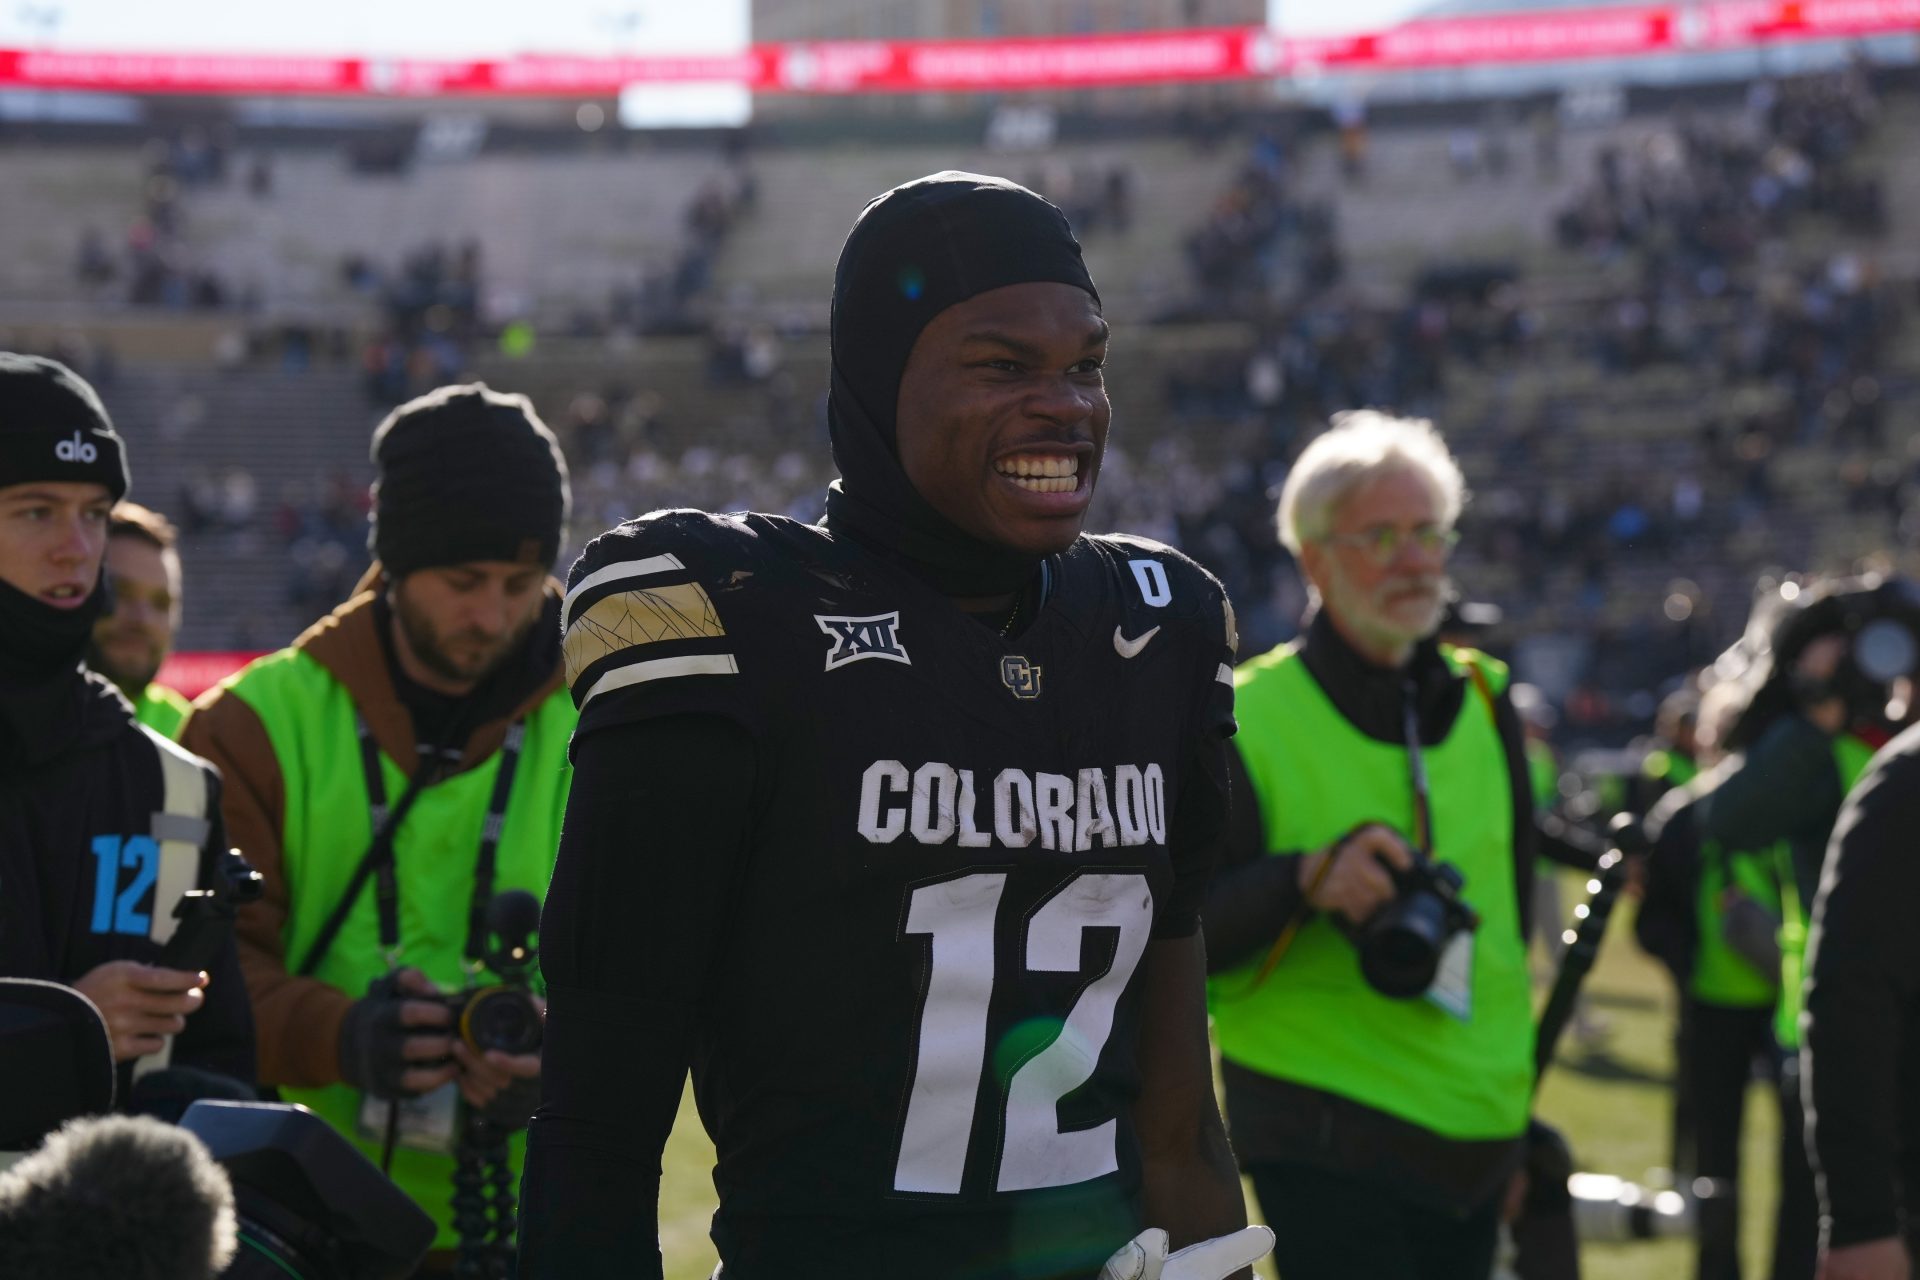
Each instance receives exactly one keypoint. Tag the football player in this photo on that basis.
(893, 828)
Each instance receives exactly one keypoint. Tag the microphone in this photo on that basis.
(117, 1198)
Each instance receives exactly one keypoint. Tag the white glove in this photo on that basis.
(1145, 1257)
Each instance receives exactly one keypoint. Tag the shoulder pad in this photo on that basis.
(1163, 577)
(639, 604)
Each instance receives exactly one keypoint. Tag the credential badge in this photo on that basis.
(857, 638)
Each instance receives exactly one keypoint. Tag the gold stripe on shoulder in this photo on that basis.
(634, 619)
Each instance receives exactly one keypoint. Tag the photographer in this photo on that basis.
(402, 763)
(133, 638)
(1710, 915)
(1380, 1131)
(1860, 1054)
(1815, 717)
(103, 824)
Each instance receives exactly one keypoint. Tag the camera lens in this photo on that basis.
(502, 1018)
(1400, 951)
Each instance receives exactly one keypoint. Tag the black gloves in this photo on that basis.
(373, 1040)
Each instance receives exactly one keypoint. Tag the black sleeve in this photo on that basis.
(1863, 975)
(1199, 824)
(1786, 787)
(1252, 896)
(219, 1037)
(653, 843)
(1667, 924)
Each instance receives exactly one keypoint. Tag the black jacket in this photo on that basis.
(1254, 895)
(1860, 1053)
(82, 811)
(1786, 786)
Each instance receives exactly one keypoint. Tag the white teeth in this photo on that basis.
(1046, 484)
(1032, 466)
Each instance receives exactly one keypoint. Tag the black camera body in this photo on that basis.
(503, 1017)
(206, 915)
(1401, 944)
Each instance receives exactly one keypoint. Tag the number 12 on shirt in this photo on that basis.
(960, 915)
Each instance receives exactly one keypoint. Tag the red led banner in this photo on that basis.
(194, 672)
(1042, 62)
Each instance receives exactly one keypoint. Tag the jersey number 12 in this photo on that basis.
(960, 916)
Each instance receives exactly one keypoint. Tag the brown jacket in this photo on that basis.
(297, 1020)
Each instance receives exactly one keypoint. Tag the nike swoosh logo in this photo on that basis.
(1131, 648)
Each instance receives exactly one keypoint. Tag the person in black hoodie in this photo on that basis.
(1860, 1049)
(103, 824)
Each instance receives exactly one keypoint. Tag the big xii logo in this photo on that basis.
(857, 638)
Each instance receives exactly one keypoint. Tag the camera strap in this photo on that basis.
(378, 862)
(1452, 988)
(1417, 772)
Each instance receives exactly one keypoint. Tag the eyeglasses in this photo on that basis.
(1382, 542)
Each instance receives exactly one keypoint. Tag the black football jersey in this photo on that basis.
(918, 1055)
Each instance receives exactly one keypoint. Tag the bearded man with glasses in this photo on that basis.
(1378, 1107)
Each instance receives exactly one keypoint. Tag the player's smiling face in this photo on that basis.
(1003, 414)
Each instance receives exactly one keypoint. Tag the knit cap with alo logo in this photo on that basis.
(53, 427)
(466, 473)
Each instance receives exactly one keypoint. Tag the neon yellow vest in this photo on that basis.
(1669, 767)
(310, 719)
(1315, 1021)
(162, 710)
(1722, 976)
(1851, 757)
(1543, 774)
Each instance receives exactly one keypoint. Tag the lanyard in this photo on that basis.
(386, 885)
(1417, 774)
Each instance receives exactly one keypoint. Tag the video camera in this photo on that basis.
(1400, 944)
(308, 1204)
(1878, 616)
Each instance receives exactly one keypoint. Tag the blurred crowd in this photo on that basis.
(1718, 279)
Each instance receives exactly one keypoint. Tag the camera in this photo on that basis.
(205, 916)
(503, 1017)
(1400, 944)
(1878, 617)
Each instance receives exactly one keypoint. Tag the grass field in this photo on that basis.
(1612, 1104)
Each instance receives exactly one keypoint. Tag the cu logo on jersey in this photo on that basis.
(857, 638)
(77, 449)
(1021, 677)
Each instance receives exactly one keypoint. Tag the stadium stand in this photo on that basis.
(1700, 411)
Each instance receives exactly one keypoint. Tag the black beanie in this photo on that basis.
(466, 473)
(915, 251)
(53, 427)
